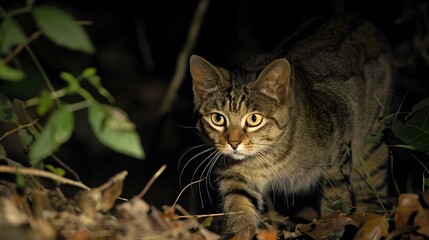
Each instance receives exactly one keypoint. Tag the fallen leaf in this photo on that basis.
(100, 199)
(422, 222)
(373, 226)
(80, 235)
(408, 203)
(136, 210)
(266, 235)
(11, 215)
(208, 235)
(332, 225)
(245, 234)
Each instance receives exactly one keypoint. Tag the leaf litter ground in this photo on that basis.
(35, 212)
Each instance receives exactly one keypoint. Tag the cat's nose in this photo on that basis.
(234, 144)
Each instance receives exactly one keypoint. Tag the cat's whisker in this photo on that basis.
(190, 160)
(211, 158)
(187, 127)
(208, 158)
(208, 178)
(186, 152)
(211, 169)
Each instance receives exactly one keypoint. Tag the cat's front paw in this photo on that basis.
(245, 234)
(241, 227)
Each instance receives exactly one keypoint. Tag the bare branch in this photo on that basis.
(40, 173)
(182, 59)
(151, 181)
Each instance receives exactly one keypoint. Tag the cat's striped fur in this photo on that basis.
(296, 119)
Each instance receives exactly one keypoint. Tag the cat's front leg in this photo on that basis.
(241, 205)
(241, 215)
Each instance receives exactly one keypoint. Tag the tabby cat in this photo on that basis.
(297, 119)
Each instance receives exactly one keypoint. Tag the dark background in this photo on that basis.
(231, 32)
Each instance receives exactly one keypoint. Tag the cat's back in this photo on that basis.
(329, 47)
(337, 46)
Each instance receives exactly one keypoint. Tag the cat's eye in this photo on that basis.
(254, 120)
(218, 119)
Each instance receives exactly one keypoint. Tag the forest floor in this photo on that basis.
(34, 212)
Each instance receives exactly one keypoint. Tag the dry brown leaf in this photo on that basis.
(101, 198)
(208, 235)
(245, 234)
(11, 215)
(136, 210)
(267, 235)
(422, 222)
(407, 204)
(80, 235)
(332, 225)
(169, 213)
(373, 226)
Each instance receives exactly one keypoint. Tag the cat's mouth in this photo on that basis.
(237, 155)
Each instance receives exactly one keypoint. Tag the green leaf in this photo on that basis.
(11, 34)
(415, 131)
(89, 72)
(7, 114)
(113, 128)
(20, 180)
(405, 146)
(45, 103)
(61, 28)
(208, 221)
(59, 171)
(96, 83)
(69, 78)
(74, 85)
(375, 138)
(26, 136)
(10, 74)
(421, 104)
(57, 131)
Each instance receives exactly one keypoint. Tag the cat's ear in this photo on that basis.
(274, 80)
(205, 76)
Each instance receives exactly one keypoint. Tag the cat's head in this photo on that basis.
(242, 113)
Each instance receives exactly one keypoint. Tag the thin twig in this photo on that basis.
(42, 72)
(182, 59)
(118, 177)
(53, 95)
(14, 12)
(144, 44)
(181, 192)
(17, 128)
(207, 215)
(21, 47)
(66, 167)
(149, 184)
(74, 107)
(41, 173)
